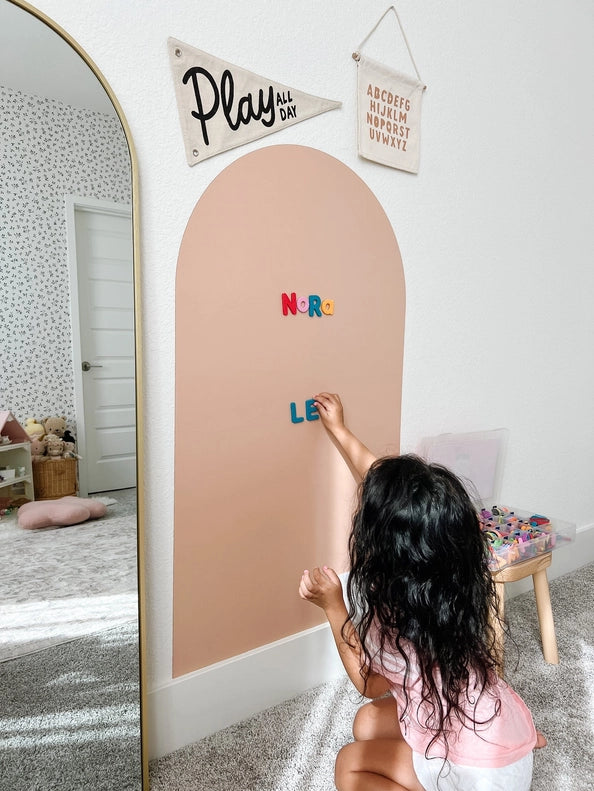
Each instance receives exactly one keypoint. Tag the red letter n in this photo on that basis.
(289, 303)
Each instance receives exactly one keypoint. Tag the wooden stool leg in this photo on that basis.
(545, 617)
(500, 593)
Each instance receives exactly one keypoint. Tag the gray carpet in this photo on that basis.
(61, 583)
(292, 747)
(69, 666)
(69, 716)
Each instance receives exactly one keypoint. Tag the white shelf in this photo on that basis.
(12, 481)
(15, 455)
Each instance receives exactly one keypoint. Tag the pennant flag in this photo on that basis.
(222, 106)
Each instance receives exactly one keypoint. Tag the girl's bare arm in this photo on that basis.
(322, 587)
(330, 410)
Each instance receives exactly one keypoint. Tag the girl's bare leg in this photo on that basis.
(376, 765)
(379, 759)
(377, 720)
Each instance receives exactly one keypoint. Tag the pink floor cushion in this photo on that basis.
(59, 513)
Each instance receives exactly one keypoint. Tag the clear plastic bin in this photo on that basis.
(515, 535)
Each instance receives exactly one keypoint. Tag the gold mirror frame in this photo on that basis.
(138, 365)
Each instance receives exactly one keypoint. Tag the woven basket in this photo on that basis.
(54, 478)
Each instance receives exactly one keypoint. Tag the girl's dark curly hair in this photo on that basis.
(419, 573)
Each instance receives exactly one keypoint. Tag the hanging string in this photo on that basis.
(357, 56)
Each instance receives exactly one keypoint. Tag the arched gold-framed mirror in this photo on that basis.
(56, 712)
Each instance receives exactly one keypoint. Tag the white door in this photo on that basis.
(104, 356)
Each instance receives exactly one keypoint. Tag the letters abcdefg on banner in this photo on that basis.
(389, 115)
(388, 109)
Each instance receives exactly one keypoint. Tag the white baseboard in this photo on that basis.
(191, 707)
(194, 706)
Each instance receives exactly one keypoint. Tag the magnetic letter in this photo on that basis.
(314, 305)
(294, 418)
(328, 307)
(289, 303)
(302, 304)
(311, 412)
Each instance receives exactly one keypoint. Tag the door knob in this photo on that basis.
(86, 366)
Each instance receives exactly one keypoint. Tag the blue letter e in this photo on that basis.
(311, 412)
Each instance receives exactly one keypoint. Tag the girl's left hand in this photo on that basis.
(322, 587)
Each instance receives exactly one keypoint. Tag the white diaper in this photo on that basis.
(516, 776)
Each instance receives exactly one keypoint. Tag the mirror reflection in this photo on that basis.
(69, 650)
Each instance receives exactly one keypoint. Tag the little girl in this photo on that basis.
(419, 626)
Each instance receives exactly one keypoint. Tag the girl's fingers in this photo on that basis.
(309, 582)
(329, 398)
(304, 590)
(305, 579)
(321, 402)
(326, 400)
(315, 582)
(317, 576)
(332, 575)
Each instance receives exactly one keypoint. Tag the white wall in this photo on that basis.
(494, 231)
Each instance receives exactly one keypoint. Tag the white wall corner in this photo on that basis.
(198, 704)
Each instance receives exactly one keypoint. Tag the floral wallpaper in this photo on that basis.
(47, 150)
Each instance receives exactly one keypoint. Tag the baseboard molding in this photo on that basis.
(198, 704)
(194, 706)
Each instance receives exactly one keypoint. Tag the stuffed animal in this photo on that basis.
(59, 513)
(33, 428)
(70, 451)
(37, 449)
(54, 446)
(69, 446)
(55, 425)
(67, 437)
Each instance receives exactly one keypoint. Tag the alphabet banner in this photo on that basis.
(388, 115)
(222, 106)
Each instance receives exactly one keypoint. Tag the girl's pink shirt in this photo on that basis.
(507, 732)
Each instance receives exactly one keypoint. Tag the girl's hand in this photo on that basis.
(322, 587)
(330, 410)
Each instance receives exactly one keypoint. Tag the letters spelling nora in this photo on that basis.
(264, 111)
(312, 304)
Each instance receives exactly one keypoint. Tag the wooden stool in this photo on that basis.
(537, 567)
